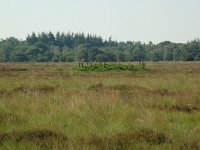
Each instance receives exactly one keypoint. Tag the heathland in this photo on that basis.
(54, 106)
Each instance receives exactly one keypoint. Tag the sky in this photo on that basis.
(124, 20)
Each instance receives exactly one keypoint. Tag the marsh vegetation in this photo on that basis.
(53, 106)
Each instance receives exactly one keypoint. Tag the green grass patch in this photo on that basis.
(110, 67)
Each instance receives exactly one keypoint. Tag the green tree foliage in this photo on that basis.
(6, 47)
(61, 47)
(19, 54)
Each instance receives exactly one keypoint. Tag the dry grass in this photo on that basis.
(50, 106)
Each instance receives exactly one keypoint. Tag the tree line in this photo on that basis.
(73, 47)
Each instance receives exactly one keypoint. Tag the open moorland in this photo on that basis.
(56, 106)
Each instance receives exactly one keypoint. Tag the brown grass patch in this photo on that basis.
(178, 107)
(13, 69)
(163, 92)
(97, 87)
(184, 108)
(43, 138)
(194, 145)
(120, 87)
(140, 136)
(130, 90)
(4, 93)
(125, 140)
(40, 89)
(11, 118)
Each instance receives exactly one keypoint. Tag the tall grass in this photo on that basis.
(51, 106)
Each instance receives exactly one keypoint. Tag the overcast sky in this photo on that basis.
(134, 20)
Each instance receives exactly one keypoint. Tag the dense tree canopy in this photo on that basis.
(61, 47)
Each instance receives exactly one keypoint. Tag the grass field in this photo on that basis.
(52, 106)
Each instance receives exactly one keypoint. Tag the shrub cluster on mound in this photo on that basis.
(101, 67)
